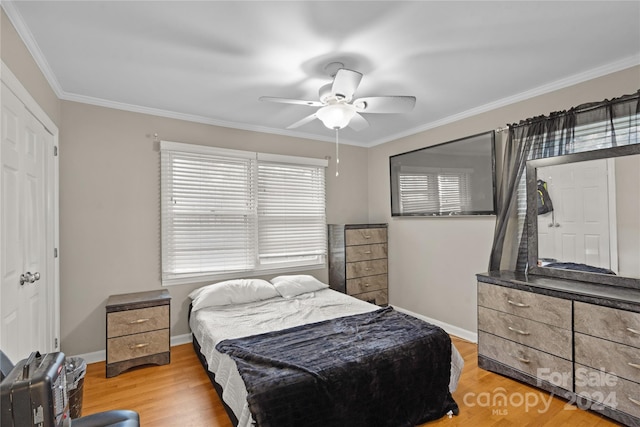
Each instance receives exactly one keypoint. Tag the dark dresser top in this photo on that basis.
(136, 300)
(606, 295)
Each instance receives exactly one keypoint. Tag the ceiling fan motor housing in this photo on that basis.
(326, 95)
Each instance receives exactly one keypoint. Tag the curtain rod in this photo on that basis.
(580, 109)
(583, 108)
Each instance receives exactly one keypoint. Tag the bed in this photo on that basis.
(293, 352)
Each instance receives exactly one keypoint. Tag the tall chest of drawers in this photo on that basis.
(138, 331)
(358, 261)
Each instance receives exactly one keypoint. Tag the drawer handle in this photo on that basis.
(518, 331)
(141, 345)
(367, 237)
(636, 401)
(633, 365)
(633, 331)
(517, 304)
(135, 322)
(522, 359)
(366, 285)
(367, 252)
(367, 269)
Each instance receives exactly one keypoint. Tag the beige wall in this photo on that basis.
(110, 207)
(17, 57)
(433, 261)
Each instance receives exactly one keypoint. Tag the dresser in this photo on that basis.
(580, 341)
(138, 330)
(358, 261)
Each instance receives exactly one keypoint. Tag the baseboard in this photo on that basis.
(450, 329)
(101, 356)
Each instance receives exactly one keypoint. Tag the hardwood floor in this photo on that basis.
(180, 394)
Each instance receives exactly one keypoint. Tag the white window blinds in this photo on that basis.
(228, 213)
(429, 189)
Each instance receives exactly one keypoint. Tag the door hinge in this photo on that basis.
(55, 252)
(55, 150)
(55, 343)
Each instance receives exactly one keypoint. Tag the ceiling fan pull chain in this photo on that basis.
(337, 155)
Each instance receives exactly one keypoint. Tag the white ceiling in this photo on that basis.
(209, 61)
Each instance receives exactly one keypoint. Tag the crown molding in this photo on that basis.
(198, 119)
(29, 41)
(27, 37)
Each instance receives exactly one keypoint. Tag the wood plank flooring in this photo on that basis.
(180, 394)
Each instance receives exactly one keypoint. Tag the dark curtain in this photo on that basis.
(592, 126)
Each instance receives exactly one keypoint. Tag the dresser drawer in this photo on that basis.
(366, 268)
(138, 345)
(543, 308)
(365, 236)
(367, 284)
(366, 252)
(553, 369)
(608, 390)
(375, 297)
(608, 323)
(531, 333)
(597, 353)
(129, 322)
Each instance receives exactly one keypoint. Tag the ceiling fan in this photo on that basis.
(337, 106)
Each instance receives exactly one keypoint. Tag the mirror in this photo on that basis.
(584, 216)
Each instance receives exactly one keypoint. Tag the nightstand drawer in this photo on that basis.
(129, 322)
(550, 339)
(367, 284)
(554, 311)
(525, 359)
(609, 323)
(366, 268)
(138, 345)
(365, 236)
(366, 252)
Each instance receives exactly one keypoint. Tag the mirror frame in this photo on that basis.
(532, 214)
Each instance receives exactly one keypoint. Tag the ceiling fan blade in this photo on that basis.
(385, 104)
(358, 122)
(291, 101)
(303, 121)
(345, 83)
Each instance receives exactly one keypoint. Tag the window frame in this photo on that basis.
(176, 278)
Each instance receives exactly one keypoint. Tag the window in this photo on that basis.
(433, 190)
(227, 213)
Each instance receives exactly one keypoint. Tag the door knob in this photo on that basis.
(29, 277)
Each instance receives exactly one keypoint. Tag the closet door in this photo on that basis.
(26, 283)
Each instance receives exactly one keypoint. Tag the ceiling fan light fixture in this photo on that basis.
(336, 116)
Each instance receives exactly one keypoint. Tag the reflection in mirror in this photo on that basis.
(587, 215)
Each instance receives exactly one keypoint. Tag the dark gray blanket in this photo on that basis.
(382, 368)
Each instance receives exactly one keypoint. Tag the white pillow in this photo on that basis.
(236, 291)
(290, 286)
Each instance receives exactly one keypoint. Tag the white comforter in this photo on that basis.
(214, 324)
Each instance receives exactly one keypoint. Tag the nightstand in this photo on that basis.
(138, 331)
